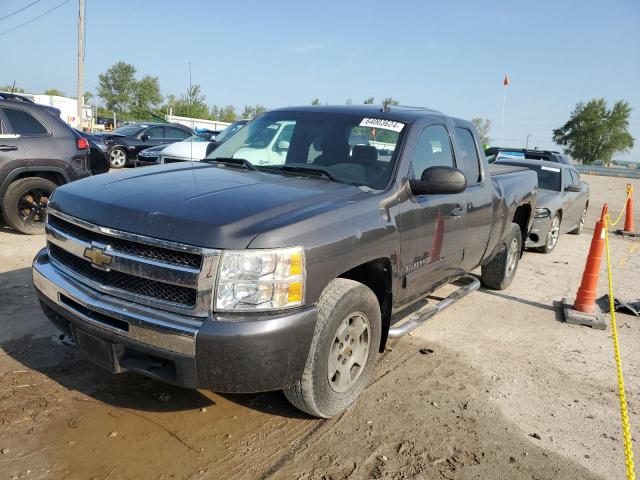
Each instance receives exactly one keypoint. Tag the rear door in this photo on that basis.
(479, 196)
(570, 205)
(12, 152)
(432, 227)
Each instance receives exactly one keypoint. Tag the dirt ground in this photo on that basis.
(494, 387)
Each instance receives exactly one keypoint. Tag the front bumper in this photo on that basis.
(538, 234)
(225, 353)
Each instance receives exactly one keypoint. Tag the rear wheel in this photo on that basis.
(24, 206)
(500, 271)
(117, 158)
(552, 235)
(343, 350)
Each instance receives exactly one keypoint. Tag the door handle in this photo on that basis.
(456, 212)
(6, 148)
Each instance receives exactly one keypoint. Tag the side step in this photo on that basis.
(470, 284)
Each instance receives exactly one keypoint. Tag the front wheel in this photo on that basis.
(500, 271)
(343, 350)
(117, 158)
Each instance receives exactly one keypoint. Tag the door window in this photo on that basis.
(566, 178)
(432, 150)
(155, 132)
(575, 178)
(23, 123)
(469, 152)
(177, 133)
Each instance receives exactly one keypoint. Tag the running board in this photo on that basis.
(428, 311)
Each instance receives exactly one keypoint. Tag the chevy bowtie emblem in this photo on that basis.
(97, 256)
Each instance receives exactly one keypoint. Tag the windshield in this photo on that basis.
(349, 148)
(230, 130)
(128, 130)
(548, 177)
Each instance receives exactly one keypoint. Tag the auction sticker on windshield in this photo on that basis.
(382, 123)
(551, 169)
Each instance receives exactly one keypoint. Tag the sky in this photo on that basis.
(451, 55)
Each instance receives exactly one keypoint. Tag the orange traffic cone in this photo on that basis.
(628, 219)
(584, 310)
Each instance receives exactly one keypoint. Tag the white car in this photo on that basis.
(270, 147)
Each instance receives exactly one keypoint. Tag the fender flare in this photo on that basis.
(33, 171)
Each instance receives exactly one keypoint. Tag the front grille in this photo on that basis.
(127, 246)
(123, 281)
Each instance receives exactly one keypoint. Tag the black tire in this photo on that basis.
(551, 243)
(315, 393)
(580, 227)
(118, 157)
(500, 271)
(24, 204)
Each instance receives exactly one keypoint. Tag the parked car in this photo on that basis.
(149, 156)
(495, 153)
(98, 156)
(563, 200)
(126, 142)
(225, 135)
(193, 148)
(38, 152)
(235, 277)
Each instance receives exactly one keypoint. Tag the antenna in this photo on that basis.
(190, 113)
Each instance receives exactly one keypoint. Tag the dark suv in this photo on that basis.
(126, 142)
(494, 153)
(38, 152)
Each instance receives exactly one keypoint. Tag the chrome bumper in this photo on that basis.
(169, 331)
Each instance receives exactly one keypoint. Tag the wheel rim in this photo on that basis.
(582, 219)
(554, 232)
(118, 158)
(349, 351)
(512, 256)
(32, 206)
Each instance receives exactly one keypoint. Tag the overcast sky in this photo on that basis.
(451, 56)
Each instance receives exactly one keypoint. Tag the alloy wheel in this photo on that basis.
(349, 351)
(32, 206)
(118, 158)
(554, 232)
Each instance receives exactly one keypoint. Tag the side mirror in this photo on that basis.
(283, 145)
(144, 137)
(439, 180)
(573, 188)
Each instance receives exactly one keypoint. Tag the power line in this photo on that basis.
(35, 18)
(19, 10)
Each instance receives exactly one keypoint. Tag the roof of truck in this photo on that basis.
(392, 112)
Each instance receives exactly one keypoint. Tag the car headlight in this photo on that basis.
(250, 280)
(542, 212)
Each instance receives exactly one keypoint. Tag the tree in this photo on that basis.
(252, 111)
(147, 94)
(483, 125)
(228, 114)
(88, 98)
(118, 87)
(54, 91)
(389, 101)
(368, 101)
(191, 104)
(315, 101)
(594, 132)
(12, 89)
(348, 101)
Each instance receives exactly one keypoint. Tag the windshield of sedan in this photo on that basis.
(128, 130)
(549, 178)
(347, 148)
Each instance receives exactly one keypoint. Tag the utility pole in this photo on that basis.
(80, 90)
(527, 144)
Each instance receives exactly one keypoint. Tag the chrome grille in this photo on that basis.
(153, 272)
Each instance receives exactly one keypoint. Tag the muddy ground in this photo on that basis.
(495, 387)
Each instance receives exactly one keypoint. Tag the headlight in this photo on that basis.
(251, 280)
(542, 212)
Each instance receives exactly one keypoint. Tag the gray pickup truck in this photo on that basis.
(235, 276)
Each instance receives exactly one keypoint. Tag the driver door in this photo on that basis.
(432, 227)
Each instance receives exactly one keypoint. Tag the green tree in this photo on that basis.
(389, 101)
(191, 104)
(147, 93)
(594, 132)
(118, 87)
(11, 88)
(315, 101)
(54, 91)
(483, 125)
(88, 98)
(252, 111)
(228, 114)
(214, 114)
(368, 101)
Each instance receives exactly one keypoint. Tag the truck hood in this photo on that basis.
(199, 204)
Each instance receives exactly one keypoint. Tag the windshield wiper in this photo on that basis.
(309, 170)
(233, 162)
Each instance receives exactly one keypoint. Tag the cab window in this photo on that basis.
(566, 178)
(432, 150)
(469, 153)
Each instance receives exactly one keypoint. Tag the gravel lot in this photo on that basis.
(495, 387)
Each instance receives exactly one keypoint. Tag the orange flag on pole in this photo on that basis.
(506, 81)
